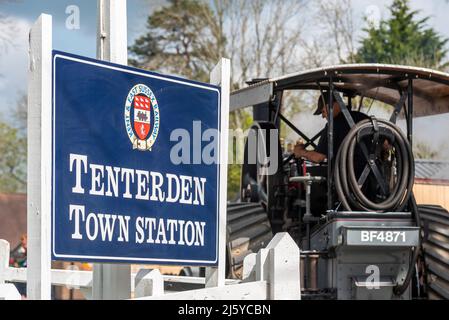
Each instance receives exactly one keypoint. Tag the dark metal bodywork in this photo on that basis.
(410, 91)
(347, 264)
(334, 266)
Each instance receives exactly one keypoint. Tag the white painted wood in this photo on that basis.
(15, 275)
(112, 281)
(283, 270)
(112, 31)
(278, 264)
(261, 270)
(249, 267)
(4, 259)
(39, 159)
(83, 279)
(9, 291)
(221, 75)
(194, 280)
(59, 277)
(72, 278)
(274, 275)
(244, 291)
(149, 282)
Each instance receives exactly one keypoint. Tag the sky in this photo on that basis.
(437, 10)
(82, 41)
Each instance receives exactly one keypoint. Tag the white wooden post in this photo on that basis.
(112, 281)
(283, 269)
(262, 264)
(221, 75)
(148, 282)
(279, 265)
(39, 160)
(9, 292)
(112, 43)
(4, 259)
(249, 268)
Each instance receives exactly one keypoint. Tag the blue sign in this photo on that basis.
(135, 173)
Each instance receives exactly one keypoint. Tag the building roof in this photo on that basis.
(432, 171)
(13, 217)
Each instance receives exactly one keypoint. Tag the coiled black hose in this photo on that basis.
(374, 131)
(346, 185)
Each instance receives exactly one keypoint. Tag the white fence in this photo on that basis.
(272, 273)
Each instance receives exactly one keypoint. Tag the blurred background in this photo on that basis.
(263, 38)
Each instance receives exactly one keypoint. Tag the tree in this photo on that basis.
(13, 150)
(180, 40)
(335, 18)
(8, 30)
(13, 160)
(20, 115)
(264, 37)
(187, 37)
(422, 150)
(13, 144)
(403, 39)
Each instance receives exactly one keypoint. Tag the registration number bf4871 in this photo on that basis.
(382, 236)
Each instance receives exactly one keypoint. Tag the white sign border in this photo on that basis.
(109, 258)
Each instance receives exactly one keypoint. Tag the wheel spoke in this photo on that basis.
(263, 196)
(380, 180)
(364, 175)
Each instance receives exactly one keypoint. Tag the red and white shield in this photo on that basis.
(142, 116)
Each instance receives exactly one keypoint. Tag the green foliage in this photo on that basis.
(240, 119)
(13, 148)
(185, 38)
(234, 171)
(403, 39)
(180, 40)
(424, 151)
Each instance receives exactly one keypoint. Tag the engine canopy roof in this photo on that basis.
(380, 82)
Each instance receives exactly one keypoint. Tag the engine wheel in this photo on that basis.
(248, 230)
(435, 235)
(261, 169)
